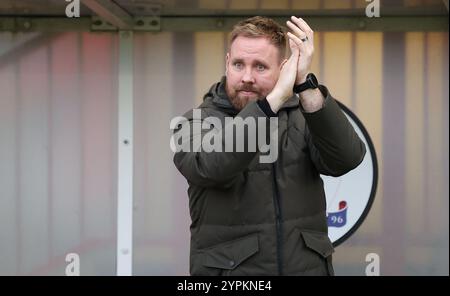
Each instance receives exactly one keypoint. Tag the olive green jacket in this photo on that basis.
(253, 218)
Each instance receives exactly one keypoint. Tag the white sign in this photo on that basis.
(350, 196)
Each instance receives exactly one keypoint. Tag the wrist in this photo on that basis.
(275, 100)
(312, 100)
(301, 79)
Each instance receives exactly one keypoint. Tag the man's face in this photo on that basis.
(252, 69)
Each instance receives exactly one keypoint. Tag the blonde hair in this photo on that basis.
(259, 26)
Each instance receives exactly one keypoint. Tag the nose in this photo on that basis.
(247, 77)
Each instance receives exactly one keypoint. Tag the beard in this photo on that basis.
(242, 95)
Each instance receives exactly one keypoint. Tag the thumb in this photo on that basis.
(294, 47)
(295, 54)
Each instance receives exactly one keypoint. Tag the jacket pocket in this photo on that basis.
(320, 243)
(223, 258)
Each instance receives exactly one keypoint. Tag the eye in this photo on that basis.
(238, 65)
(260, 67)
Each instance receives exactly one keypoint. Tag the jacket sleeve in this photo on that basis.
(334, 146)
(216, 169)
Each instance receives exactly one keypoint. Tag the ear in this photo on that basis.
(227, 60)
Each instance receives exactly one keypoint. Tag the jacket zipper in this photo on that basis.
(276, 202)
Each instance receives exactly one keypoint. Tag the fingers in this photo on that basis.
(288, 72)
(296, 30)
(293, 59)
(297, 41)
(303, 26)
(292, 44)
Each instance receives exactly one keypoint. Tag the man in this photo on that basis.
(255, 218)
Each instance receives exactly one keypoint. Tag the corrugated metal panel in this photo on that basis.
(59, 185)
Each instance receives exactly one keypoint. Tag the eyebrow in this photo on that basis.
(240, 60)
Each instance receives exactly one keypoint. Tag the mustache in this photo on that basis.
(247, 88)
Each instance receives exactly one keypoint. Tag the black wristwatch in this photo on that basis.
(311, 82)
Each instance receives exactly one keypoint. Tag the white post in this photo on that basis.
(125, 157)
